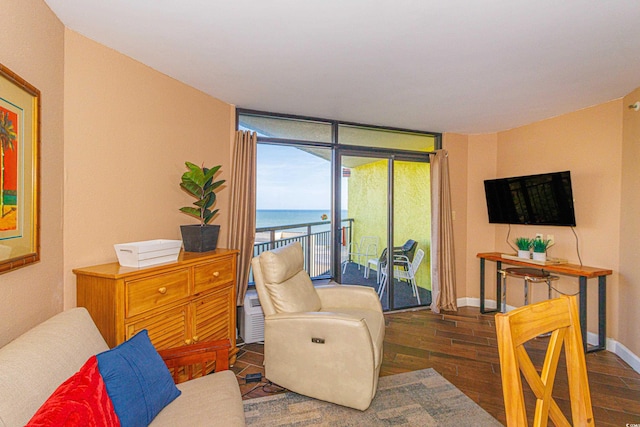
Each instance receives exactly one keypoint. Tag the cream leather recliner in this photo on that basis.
(323, 342)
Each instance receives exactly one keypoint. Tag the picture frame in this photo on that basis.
(19, 172)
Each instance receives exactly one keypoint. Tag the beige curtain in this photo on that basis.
(443, 266)
(242, 225)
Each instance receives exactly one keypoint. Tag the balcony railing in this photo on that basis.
(316, 244)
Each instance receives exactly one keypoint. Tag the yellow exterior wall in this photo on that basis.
(367, 205)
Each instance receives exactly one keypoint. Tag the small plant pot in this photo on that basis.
(540, 256)
(524, 254)
(197, 238)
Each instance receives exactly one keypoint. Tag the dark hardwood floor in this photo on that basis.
(462, 347)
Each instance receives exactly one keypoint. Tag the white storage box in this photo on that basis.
(149, 252)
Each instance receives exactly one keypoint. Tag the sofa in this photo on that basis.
(36, 363)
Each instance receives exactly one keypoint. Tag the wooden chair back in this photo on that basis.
(559, 317)
(196, 360)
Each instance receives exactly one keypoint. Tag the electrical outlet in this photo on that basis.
(551, 239)
(539, 236)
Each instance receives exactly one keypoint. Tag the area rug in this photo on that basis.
(419, 398)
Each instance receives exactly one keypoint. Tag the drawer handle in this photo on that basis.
(195, 339)
(162, 290)
(187, 341)
(216, 274)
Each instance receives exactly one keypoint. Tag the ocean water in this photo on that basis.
(276, 217)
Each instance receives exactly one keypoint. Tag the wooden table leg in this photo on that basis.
(583, 311)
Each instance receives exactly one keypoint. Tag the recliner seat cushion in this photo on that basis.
(286, 281)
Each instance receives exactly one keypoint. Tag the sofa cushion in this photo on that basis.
(212, 400)
(36, 363)
(82, 400)
(287, 283)
(137, 380)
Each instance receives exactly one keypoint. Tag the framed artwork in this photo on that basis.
(19, 172)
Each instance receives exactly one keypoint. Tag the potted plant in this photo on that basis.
(198, 182)
(540, 247)
(524, 247)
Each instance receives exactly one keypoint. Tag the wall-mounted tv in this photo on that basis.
(545, 199)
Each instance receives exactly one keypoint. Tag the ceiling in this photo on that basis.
(444, 66)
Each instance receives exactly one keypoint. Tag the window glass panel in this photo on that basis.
(293, 199)
(364, 233)
(382, 138)
(286, 128)
(411, 222)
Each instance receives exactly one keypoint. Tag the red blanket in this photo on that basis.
(82, 400)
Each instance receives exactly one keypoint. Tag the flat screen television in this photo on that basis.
(544, 199)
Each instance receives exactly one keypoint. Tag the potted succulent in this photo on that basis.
(198, 182)
(540, 247)
(524, 247)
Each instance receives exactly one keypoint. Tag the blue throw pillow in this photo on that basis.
(137, 380)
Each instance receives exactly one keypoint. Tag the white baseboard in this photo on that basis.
(592, 338)
(475, 302)
(617, 348)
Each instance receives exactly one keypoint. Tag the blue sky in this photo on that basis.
(289, 178)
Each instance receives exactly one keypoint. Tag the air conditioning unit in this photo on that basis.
(252, 326)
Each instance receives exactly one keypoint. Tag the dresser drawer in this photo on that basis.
(166, 329)
(213, 274)
(149, 293)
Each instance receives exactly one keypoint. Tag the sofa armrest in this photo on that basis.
(188, 357)
(349, 296)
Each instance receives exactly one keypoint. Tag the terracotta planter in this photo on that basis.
(197, 238)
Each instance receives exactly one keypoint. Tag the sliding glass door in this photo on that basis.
(411, 235)
(364, 204)
(384, 203)
(355, 196)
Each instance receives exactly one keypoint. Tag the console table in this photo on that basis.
(582, 272)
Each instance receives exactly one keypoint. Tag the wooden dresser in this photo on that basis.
(188, 301)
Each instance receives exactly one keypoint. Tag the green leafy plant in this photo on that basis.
(541, 245)
(523, 243)
(198, 181)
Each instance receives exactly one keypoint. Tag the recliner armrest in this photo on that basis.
(289, 332)
(349, 296)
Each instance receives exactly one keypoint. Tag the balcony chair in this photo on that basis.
(323, 342)
(408, 250)
(367, 248)
(560, 318)
(406, 271)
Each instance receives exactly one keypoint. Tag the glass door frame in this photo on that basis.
(338, 149)
(389, 155)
